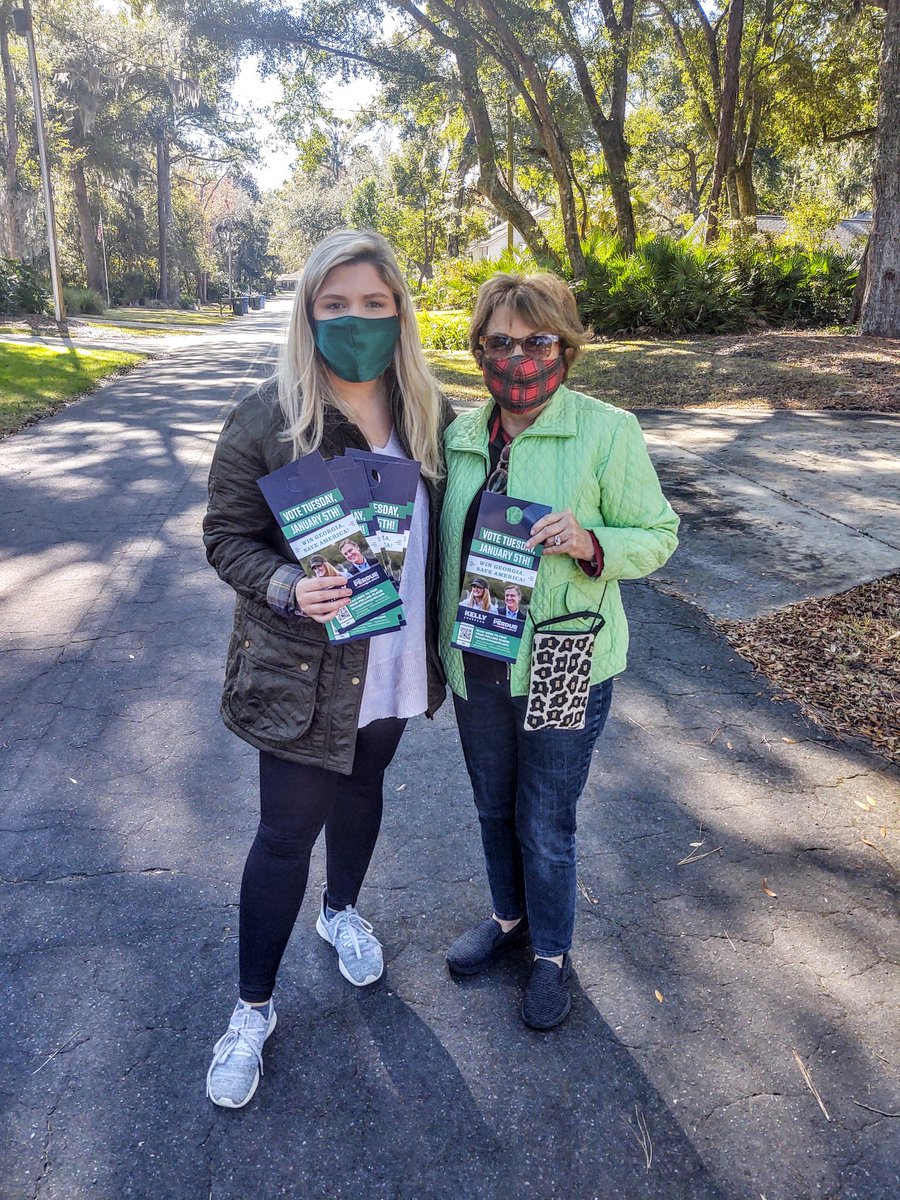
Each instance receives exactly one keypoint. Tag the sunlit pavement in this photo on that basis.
(128, 810)
(777, 507)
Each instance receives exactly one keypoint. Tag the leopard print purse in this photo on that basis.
(561, 673)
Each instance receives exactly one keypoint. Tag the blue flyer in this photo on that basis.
(326, 539)
(498, 579)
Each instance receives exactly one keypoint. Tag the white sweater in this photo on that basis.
(396, 677)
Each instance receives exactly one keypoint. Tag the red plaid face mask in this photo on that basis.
(520, 384)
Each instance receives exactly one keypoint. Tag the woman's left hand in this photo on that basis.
(560, 533)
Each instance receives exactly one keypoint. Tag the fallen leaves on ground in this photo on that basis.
(838, 658)
(790, 369)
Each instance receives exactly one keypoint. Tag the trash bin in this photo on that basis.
(238, 305)
(256, 303)
(262, 300)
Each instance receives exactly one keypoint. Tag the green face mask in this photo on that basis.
(357, 348)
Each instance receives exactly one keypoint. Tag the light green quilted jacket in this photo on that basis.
(580, 454)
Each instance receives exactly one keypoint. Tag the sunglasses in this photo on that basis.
(499, 477)
(539, 346)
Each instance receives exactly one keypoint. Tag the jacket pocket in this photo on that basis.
(272, 694)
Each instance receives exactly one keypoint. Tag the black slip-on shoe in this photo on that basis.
(547, 1001)
(476, 949)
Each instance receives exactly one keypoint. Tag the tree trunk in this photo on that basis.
(615, 153)
(163, 213)
(746, 189)
(610, 130)
(725, 139)
(731, 192)
(881, 302)
(521, 68)
(10, 190)
(490, 183)
(859, 289)
(93, 264)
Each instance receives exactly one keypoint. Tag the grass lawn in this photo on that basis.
(792, 370)
(36, 380)
(162, 318)
(839, 658)
(136, 330)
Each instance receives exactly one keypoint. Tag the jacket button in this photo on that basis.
(304, 666)
(355, 680)
(247, 645)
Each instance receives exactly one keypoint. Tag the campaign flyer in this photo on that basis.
(392, 485)
(326, 539)
(352, 478)
(498, 579)
(386, 622)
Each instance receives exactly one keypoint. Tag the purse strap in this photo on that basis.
(586, 615)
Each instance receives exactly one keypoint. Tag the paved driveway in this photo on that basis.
(777, 506)
(128, 809)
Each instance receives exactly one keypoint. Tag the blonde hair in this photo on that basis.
(303, 387)
(485, 602)
(328, 568)
(542, 300)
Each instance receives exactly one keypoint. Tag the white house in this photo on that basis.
(497, 238)
(847, 234)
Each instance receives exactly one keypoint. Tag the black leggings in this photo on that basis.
(296, 801)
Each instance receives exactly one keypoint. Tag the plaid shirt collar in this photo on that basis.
(497, 435)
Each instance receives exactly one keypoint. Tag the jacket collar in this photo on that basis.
(557, 420)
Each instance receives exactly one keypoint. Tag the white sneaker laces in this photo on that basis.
(242, 1040)
(348, 928)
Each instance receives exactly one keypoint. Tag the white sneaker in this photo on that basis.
(234, 1072)
(358, 950)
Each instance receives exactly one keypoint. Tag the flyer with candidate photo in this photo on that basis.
(327, 541)
(392, 485)
(498, 579)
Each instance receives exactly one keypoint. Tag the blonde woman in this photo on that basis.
(322, 569)
(479, 596)
(326, 720)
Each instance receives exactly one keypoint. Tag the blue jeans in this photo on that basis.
(527, 786)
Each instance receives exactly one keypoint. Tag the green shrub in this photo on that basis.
(444, 330)
(666, 286)
(132, 289)
(32, 294)
(789, 286)
(669, 287)
(9, 286)
(456, 281)
(187, 302)
(22, 288)
(81, 301)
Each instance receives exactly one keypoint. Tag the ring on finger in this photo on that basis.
(557, 541)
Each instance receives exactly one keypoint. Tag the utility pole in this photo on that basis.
(101, 230)
(510, 174)
(24, 27)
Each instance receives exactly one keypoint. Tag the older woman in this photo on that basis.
(325, 718)
(528, 736)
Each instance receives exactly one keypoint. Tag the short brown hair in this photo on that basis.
(542, 299)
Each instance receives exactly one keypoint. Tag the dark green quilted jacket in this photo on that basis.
(287, 689)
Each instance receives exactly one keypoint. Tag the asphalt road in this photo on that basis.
(128, 809)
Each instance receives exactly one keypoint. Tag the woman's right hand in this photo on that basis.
(321, 599)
